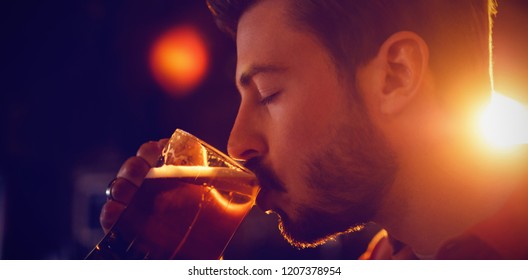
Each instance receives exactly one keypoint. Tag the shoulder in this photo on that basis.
(504, 235)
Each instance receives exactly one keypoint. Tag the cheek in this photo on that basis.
(300, 131)
(307, 124)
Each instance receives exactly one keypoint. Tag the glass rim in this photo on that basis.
(236, 163)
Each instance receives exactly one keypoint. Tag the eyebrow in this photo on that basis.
(245, 78)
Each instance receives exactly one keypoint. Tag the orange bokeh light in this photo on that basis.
(179, 60)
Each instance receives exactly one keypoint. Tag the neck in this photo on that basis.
(443, 189)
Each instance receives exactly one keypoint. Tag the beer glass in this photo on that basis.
(188, 207)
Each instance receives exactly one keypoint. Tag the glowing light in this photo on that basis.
(237, 199)
(179, 60)
(504, 123)
(228, 204)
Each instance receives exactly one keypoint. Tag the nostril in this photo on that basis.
(243, 156)
(249, 154)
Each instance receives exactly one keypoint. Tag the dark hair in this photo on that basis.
(458, 33)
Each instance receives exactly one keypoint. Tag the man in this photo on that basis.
(364, 111)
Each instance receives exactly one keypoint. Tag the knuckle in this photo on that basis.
(123, 190)
(150, 152)
(134, 169)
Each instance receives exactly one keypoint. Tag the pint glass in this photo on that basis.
(188, 207)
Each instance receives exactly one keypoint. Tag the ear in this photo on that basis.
(402, 62)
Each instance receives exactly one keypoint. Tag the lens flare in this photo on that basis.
(179, 60)
(504, 122)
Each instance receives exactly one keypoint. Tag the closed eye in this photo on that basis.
(269, 98)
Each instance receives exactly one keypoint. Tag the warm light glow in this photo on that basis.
(504, 123)
(179, 60)
(173, 171)
(229, 205)
(237, 182)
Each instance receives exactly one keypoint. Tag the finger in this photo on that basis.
(122, 190)
(110, 213)
(134, 170)
(150, 152)
(162, 143)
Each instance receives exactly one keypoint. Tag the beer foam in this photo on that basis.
(171, 171)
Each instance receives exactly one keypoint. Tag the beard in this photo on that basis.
(346, 182)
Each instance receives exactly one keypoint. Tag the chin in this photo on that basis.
(306, 235)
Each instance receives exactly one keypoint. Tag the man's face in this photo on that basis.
(322, 166)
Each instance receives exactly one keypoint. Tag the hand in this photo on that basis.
(129, 178)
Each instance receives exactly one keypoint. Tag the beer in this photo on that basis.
(181, 212)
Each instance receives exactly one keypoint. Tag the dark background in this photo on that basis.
(77, 99)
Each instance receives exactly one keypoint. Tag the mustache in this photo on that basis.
(266, 177)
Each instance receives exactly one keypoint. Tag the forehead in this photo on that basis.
(266, 35)
(264, 13)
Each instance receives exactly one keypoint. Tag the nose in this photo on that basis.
(247, 138)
